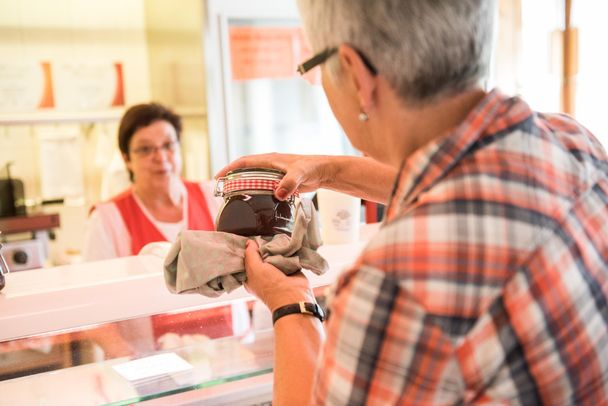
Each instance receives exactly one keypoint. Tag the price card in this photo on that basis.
(152, 366)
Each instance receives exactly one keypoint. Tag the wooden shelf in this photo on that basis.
(51, 117)
(54, 117)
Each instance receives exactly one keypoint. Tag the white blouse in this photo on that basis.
(107, 236)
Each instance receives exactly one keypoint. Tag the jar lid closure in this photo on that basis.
(258, 179)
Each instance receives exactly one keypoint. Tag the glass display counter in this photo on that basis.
(139, 359)
(109, 332)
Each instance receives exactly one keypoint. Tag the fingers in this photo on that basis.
(250, 161)
(252, 256)
(288, 186)
(301, 171)
(239, 163)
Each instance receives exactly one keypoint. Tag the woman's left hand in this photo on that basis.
(272, 286)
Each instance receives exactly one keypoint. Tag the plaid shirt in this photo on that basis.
(488, 281)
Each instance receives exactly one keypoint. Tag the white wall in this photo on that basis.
(78, 31)
(72, 32)
(177, 74)
(159, 44)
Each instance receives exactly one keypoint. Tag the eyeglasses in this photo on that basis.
(324, 55)
(316, 60)
(148, 150)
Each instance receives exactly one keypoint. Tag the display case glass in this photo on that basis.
(110, 332)
(137, 359)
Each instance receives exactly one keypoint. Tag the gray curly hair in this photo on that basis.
(426, 49)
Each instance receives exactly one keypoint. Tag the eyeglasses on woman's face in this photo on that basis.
(324, 55)
(146, 151)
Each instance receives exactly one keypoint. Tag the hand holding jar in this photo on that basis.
(272, 286)
(357, 176)
(250, 208)
(305, 173)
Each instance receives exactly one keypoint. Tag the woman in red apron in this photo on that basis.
(157, 206)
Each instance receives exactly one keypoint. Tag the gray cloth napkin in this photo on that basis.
(210, 262)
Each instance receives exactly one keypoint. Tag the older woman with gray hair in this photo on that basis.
(487, 281)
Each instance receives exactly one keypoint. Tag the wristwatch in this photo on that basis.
(311, 309)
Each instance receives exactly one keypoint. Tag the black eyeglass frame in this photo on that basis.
(324, 55)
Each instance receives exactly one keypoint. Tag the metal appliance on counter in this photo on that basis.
(25, 237)
(25, 240)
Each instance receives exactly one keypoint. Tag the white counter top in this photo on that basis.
(65, 297)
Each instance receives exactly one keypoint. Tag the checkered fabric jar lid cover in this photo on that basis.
(248, 179)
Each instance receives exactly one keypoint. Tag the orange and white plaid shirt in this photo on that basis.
(488, 281)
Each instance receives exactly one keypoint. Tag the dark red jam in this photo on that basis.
(254, 210)
(255, 214)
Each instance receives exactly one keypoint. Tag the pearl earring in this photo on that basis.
(363, 116)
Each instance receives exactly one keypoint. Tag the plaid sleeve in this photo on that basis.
(383, 347)
(488, 281)
(434, 322)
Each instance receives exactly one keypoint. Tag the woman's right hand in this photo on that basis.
(304, 173)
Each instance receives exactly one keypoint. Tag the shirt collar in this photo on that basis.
(421, 170)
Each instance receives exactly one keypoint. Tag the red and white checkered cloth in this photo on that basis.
(250, 184)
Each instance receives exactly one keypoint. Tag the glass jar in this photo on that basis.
(250, 207)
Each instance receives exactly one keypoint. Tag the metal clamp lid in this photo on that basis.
(252, 179)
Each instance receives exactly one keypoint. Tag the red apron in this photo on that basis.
(142, 231)
(215, 322)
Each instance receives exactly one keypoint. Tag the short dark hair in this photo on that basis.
(142, 115)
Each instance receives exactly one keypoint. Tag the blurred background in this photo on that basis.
(69, 68)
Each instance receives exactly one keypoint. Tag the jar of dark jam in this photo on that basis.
(250, 207)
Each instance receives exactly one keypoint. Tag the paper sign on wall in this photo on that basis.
(88, 86)
(25, 86)
(61, 173)
(266, 52)
(28, 87)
